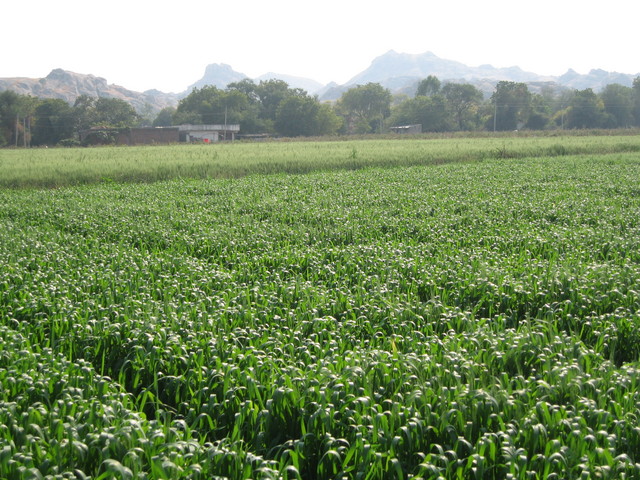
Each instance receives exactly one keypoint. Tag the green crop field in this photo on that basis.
(51, 168)
(435, 309)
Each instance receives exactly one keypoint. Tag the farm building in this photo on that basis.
(159, 135)
(417, 128)
(207, 133)
(129, 136)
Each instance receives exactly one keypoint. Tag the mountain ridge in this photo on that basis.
(68, 86)
(400, 72)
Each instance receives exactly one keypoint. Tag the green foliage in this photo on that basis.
(431, 112)
(14, 109)
(511, 102)
(211, 106)
(586, 110)
(618, 105)
(541, 111)
(271, 94)
(8, 113)
(254, 107)
(103, 112)
(305, 116)
(461, 320)
(365, 107)
(52, 168)
(164, 117)
(428, 87)
(53, 123)
(464, 101)
(636, 101)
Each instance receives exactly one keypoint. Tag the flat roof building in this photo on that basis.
(417, 128)
(159, 135)
(208, 133)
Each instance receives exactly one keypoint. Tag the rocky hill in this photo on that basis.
(308, 85)
(69, 85)
(220, 75)
(217, 74)
(396, 68)
(399, 72)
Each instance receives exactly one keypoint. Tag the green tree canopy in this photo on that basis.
(164, 117)
(636, 101)
(103, 112)
(511, 102)
(210, 106)
(14, 109)
(305, 116)
(114, 112)
(585, 111)
(267, 97)
(428, 87)
(246, 86)
(618, 105)
(365, 106)
(9, 112)
(272, 93)
(429, 111)
(540, 112)
(463, 100)
(53, 122)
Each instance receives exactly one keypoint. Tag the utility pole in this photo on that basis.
(225, 122)
(495, 117)
(17, 126)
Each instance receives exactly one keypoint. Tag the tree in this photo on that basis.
(102, 112)
(53, 122)
(463, 100)
(9, 113)
(560, 108)
(540, 112)
(83, 113)
(246, 86)
(636, 101)
(365, 107)
(210, 105)
(618, 104)
(430, 112)
(327, 122)
(200, 107)
(511, 102)
(586, 110)
(253, 106)
(16, 112)
(305, 116)
(114, 112)
(164, 117)
(428, 87)
(267, 96)
(272, 93)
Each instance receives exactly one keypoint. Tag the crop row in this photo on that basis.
(454, 321)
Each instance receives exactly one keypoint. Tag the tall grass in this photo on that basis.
(50, 168)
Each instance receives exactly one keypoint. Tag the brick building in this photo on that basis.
(159, 135)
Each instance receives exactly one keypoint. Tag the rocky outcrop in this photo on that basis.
(68, 86)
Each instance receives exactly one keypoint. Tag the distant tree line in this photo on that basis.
(27, 121)
(275, 108)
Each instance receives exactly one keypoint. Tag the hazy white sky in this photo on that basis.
(143, 44)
